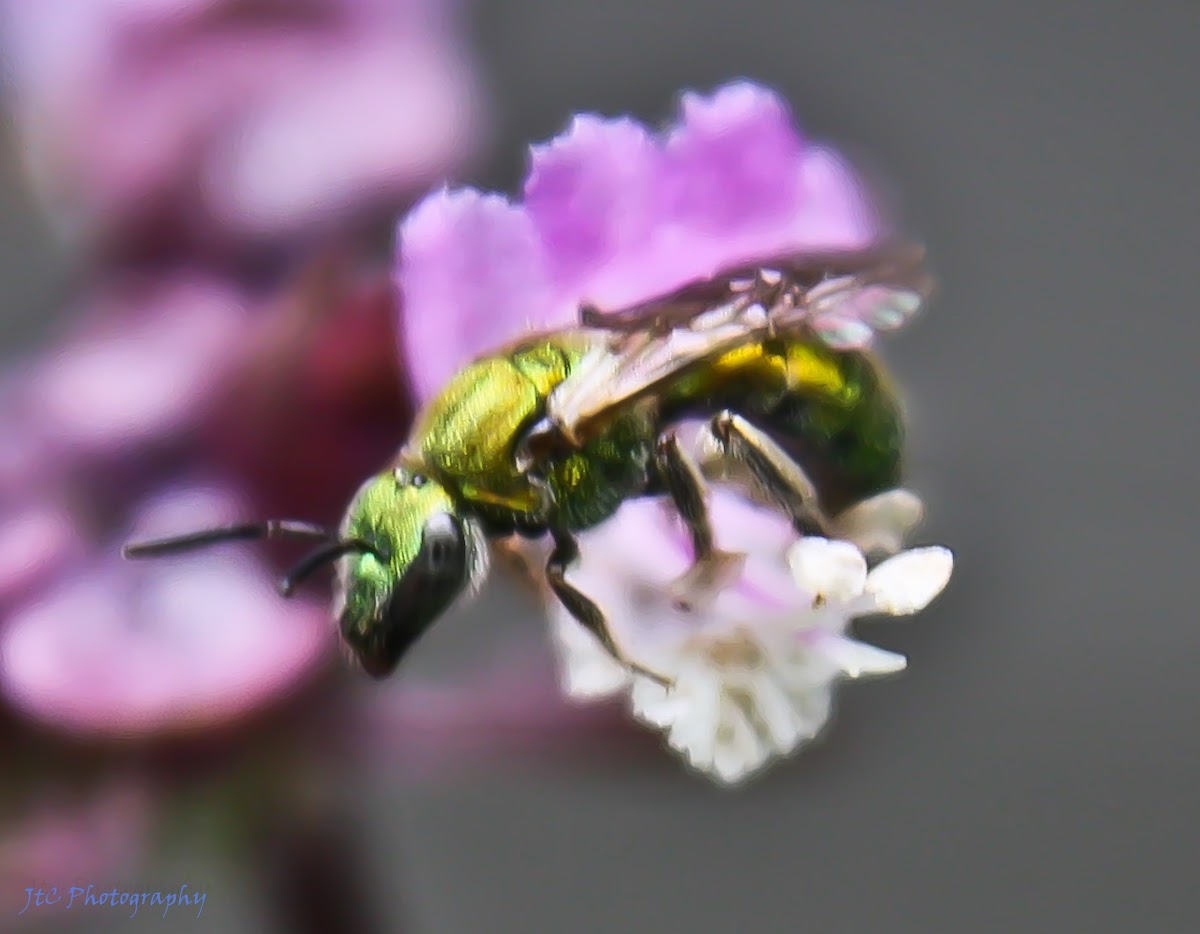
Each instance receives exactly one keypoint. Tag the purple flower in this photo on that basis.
(176, 403)
(34, 540)
(120, 649)
(613, 214)
(142, 361)
(247, 119)
(183, 395)
(90, 426)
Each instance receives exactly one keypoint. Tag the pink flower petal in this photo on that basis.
(646, 546)
(615, 215)
(644, 541)
(332, 112)
(135, 115)
(744, 185)
(834, 211)
(472, 276)
(34, 543)
(155, 356)
(764, 536)
(132, 649)
(594, 195)
(732, 163)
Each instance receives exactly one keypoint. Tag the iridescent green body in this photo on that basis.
(421, 525)
(554, 433)
(833, 410)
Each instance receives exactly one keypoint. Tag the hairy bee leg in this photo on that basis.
(772, 469)
(565, 553)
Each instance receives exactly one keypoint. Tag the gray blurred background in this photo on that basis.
(1036, 769)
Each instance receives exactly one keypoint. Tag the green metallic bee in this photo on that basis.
(550, 435)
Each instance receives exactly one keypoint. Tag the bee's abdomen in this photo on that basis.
(835, 411)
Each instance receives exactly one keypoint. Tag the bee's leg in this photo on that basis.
(543, 440)
(712, 568)
(566, 551)
(774, 473)
(682, 479)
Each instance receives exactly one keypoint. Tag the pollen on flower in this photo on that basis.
(737, 650)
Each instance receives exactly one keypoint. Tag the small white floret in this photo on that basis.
(908, 582)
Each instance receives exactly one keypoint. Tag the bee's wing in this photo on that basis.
(843, 299)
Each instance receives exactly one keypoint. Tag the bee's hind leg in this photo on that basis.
(772, 472)
(580, 606)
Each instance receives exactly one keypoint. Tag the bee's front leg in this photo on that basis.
(771, 470)
(565, 553)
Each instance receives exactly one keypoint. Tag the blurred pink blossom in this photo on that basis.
(62, 840)
(177, 403)
(143, 358)
(227, 121)
(510, 709)
(187, 389)
(122, 650)
(35, 540)
(229, 355)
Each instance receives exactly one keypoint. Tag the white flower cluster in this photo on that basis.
(751, 664)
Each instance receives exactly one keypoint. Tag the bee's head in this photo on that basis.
(403, 552)
(420, 555)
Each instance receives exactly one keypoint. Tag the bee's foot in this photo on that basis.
(706, 578)
(659, 679)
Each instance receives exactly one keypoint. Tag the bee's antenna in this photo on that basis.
(305, 567)
(271, 529)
